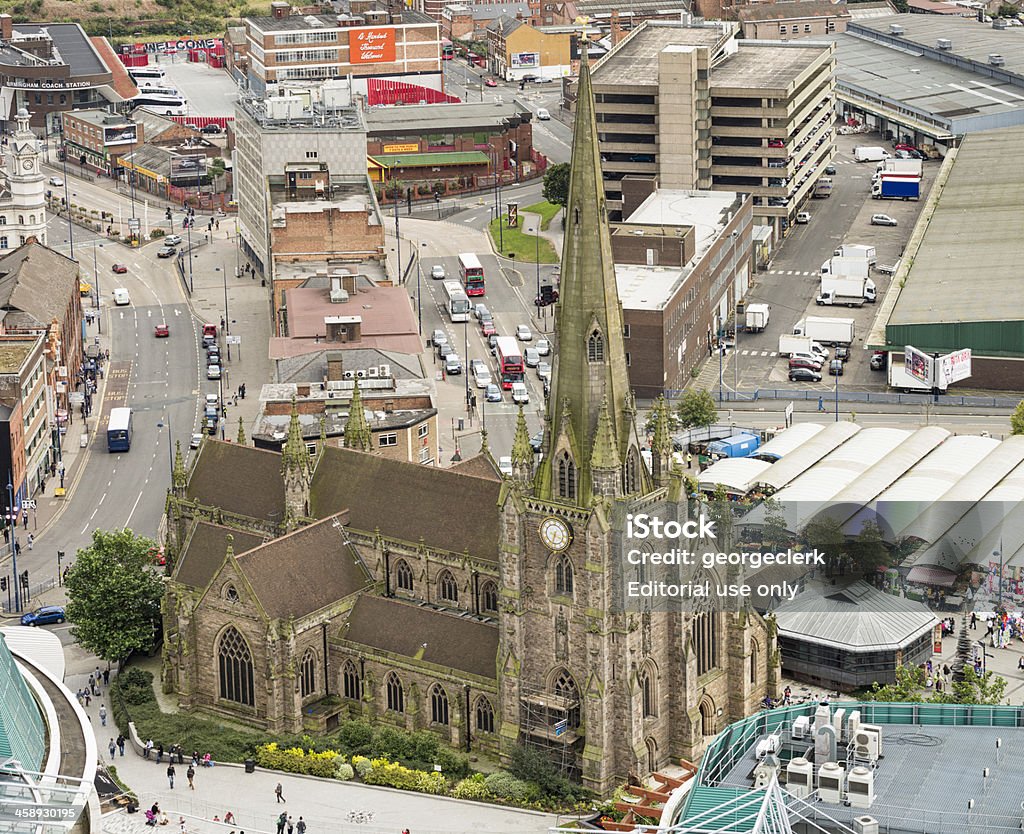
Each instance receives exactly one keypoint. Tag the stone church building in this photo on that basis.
(313, 587)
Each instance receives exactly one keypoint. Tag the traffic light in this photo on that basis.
(3, 583)
(167, 214)
(24, 579)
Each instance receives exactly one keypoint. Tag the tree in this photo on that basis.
(114, 595)
(556, 184)
(825, 535)
(697, 409)
(1017, 419)
(775, 535)
(909, 687)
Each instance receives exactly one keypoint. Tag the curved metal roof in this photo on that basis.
(788, 440)
(735, 474)
(810, 453)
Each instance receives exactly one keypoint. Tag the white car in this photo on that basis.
(213, 371)
(437, 272)
(505, 465)
(531, 357)
(524, 334)
(543, 347)
(56, 181)
(520, 395)
(196, 441)
(483, 378)
(172, 240)
(121, 297)
(883, 220)
(543, 115)
(544, 370)
(803, 217)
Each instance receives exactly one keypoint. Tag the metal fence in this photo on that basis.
(27, 603)
(872, 397)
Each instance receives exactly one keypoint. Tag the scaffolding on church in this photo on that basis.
(548, 723)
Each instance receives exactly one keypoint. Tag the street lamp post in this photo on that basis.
(721, 345)
(497, 203)
(398, 233)
(465, 357)
(67, 203)
(829, 361)
(96, 286)
(536, 241)
(14, 542)
(419, 279)
(188, 231)
(227, 315)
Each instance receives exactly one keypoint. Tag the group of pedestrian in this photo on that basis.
(285, 823)
(116, 744)
(190, 774)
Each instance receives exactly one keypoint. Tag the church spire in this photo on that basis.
(295, 471)
(661, 442)
(522, 451)
(295, 458)
(241, 433)
(178, 475)
(591, 363)
(357, 430)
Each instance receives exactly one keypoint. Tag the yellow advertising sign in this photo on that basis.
(410, 148)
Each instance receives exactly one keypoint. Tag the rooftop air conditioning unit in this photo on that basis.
(837, 722)
(865, 825)
(360, 374)
(860, 787)
(799, 773)
(766, 770)
(373, 372)
(385, 371)
(769, 744)
(996, 60)
(349, 374)
(895, 30)
(822, 716)
(830, 783)
(853, 724)
(944, 43)
(331, 395)
(867, 744)
(802, 726)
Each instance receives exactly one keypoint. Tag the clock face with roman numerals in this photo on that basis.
(556, 534)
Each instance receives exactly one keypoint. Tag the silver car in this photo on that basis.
(437, 272)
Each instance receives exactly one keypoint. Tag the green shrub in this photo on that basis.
(135, 686)
(394, 775)
(506, 786)
(156, 233)
(533, 766)
(298, 760)
(473, 787)
(354, 738)
(344, 771)
(362, 765)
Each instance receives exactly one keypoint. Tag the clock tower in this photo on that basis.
(605, 688)
(27, 185)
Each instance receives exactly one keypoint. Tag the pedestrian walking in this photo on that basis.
(30, 540)
(112, 748)
(88, 697)
(120, 744)
(170, 775)
(103, 715)
(279, 793)
(92, 682)
(281, 820)
(291, 826)
(190, 774)
(300, 826)
(106, 677)
(974, 621)
(821, 404)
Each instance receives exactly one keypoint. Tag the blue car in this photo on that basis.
(46, 615)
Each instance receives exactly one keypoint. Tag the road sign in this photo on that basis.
(233, 340)
(29, 504)
(513, 215)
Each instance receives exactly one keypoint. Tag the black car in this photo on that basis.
(835, 367)
(212, 127)
(877, 362)
(537, 442)
(830, 170)
(803, 375)
(843, 353)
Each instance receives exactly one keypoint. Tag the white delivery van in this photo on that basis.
(121, 297)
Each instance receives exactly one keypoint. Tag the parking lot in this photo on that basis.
(793, 278)
(209, 91)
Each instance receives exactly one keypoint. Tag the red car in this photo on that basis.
(490, 82)
(119, 269)
(487, 328)
(162, 331)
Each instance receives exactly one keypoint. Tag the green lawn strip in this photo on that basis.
(524, 247)
(546, 210)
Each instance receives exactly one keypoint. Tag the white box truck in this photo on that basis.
(892, 165)
(870, 153)
(828, 331)
(788, 345)
(757, 317)
(846, 267)
(901, 380)
(845, 291)
(857, 250)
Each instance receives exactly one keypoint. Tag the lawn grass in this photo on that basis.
(524, 247)
(546, 210)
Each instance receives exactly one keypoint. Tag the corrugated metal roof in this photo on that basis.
(800, 460)
(735, 474)
(787, 441)
(39, 645)
(856, 618)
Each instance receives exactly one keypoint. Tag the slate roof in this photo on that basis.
(504, 25)
(37, 281)
(239, 479)
(304, 571)
(205, 549)
(479, 466)
(402, 628)
(451, 511)
(793, 10)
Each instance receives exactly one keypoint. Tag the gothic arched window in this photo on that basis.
(403, 575)
(438, 705)
(307, 678)
(566, 477)
(395, 692)
(489, 597)
(705, 641)
(563, 575)
(707, 718)
(447, 587)
(754, 652)
(595, 347)
(351, 681)
(631, 473)
(235, 666)
(649, 691)
(484, 715)
(565, 687)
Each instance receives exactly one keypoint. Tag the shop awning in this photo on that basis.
(928, 575)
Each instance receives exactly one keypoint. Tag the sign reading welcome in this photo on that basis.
(371, 46)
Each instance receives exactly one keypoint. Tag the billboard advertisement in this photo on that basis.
(918, 364)
(525, 60)
(371, 46)
(121, 135)
(188, 167)
(955, 366)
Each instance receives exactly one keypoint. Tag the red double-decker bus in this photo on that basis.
(447, 49)
(511, 367)
(471, 273)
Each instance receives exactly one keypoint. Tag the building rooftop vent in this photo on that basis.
(996, 60)
(944, 43)
(895, 30)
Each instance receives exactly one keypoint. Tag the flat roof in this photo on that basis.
(13, 353)
(417, 118)
(793, 9)
(647, 287)
(767, 64)
(429, 160)
(918, 85)
(327, 22)
(101, 118)
(972, 238)
(970, 39)
(71, 44)
(634, 60)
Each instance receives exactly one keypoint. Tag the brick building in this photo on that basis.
(367, 42)
(26, 416)
(515, 49)
(792, 20)
(99, 138)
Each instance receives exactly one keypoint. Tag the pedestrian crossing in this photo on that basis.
(758, 352)
(793, 272)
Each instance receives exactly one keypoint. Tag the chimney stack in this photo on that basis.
(616, 30)
(6, 27)
(335, 365)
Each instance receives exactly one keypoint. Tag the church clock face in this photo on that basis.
(27, 164)
(556, 534)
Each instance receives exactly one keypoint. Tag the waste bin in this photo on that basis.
(250, 765)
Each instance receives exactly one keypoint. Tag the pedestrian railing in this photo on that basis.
(873, 397)
(34, 591)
